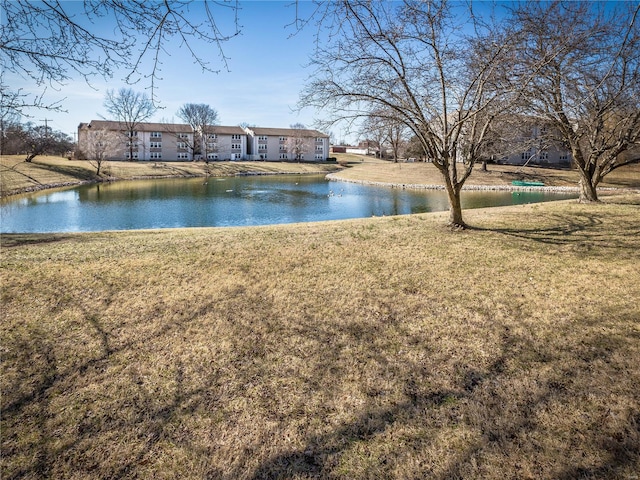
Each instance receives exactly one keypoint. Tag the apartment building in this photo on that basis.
(282, 144)
(178, 142)
(532, 144)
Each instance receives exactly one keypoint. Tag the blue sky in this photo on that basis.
(266, 73)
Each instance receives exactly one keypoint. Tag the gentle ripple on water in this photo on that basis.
(229, 201)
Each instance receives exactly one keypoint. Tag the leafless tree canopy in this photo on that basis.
(296, 141)
(202, 118)
(587, 87)
(130, 108)
(51, 42)
(432, 66)
(101, 144)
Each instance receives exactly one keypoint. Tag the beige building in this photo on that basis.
(178, 142)
(281, 144)
(529, 143)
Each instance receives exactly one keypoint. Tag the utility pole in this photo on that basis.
(46, 133)
(46, 125)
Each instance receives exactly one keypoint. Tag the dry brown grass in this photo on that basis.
(428, 174)
(18, 176)
(377, 348)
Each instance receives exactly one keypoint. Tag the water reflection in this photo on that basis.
(234, 201)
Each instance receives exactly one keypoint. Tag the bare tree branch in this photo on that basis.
(51, 42)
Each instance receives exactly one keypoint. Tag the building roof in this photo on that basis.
(285, 132)
(159, 127)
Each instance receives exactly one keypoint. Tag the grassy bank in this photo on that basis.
(428, 174)
(376, 348)
(17, 176)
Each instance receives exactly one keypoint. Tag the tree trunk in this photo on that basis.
(455, 208)
(587, 189)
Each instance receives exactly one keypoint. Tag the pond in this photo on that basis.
(227, 201)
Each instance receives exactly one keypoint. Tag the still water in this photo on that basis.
(229, 201)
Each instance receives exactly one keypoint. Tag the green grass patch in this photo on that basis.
(374, 348)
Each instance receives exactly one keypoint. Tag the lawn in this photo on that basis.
(375, 348)
(428, 174)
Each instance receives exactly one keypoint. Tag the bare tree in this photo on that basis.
(37, 140)
(296, 144)
(396, 133)
(51, 42)
(588, 88)
(9, 117)
(202, 119)
(414, 149)
(386, 131)
(130, 109)
(411, 60)
(100, 146)
(13, 138)
(373, 131)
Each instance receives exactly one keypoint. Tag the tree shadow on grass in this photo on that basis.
(77, 172)
(583, 231)
(501, 403)
(32, 396)
(8, 240)
(505, 411)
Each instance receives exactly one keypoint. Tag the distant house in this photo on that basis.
(178, 142)
(279, 144)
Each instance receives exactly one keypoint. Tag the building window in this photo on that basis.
(319, 148)
(262, 138)
(212, 136)
(283, 139)
(564, 157)
(319, 156)
(263, 156)
(132, 144)
(155, 144)
(284, 156)
(526, 155)
(319, 140)
(283, 148)
(212, 156)
(544, 155)
(262, 146)
(183, 156)
(135, 156)
(182, 145)
(156, 135)
(236, 146)
(183, 135)
(132, 134)
(235, 136)
(155, 155)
